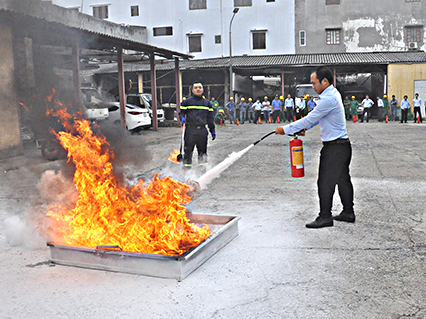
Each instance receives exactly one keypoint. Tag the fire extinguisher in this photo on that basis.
(296, 157)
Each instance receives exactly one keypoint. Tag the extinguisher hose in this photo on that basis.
(263, 137)
(295, 135)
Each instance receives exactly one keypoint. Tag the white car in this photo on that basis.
(94, 108)
(144, 100)
(136, 117)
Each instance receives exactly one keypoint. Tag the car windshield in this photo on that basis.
(303, 90)
(148, 98)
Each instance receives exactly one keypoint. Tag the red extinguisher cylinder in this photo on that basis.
(296, 157)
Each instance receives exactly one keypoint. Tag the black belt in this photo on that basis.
(196, 126)
(338, 141)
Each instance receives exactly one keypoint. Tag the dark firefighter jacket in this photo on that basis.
(198, 112)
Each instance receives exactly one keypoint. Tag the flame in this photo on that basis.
(173, 156)
(139, 218)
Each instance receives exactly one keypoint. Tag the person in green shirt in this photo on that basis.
(386, 106)
(347, 105)
(220, 115)
(214, 104)
(353, 106)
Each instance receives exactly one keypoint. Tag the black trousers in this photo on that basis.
(417, 111)
(367, 112)
(195, 137)
(334, 170)
(257, 115)
(275, 115)
(404, 115)
(289, 113)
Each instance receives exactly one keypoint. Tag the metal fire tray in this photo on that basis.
(111, 258)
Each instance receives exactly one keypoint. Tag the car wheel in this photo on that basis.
(52, 151)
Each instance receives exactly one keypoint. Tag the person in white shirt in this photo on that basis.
(381, 107)
(367, 103)
(266, 109)
(289, 108)
(417, 103)
(300, 111)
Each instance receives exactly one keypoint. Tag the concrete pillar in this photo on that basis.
(10, 139)
(140, 83)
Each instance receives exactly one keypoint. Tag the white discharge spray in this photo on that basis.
(213, 173)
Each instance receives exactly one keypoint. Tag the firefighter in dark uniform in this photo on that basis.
(196, 112)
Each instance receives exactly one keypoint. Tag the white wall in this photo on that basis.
(277, 17)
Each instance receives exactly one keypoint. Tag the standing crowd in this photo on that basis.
(387, 110)
(275, 111)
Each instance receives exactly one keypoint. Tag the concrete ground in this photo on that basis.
(275, 268)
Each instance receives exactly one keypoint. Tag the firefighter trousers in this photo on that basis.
(195, 137)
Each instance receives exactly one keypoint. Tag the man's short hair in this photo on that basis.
(322, 73)
(197, 82)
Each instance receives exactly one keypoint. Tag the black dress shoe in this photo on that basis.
(345, 217)
(321, 222)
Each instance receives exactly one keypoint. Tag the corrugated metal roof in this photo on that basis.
(286, 60)
(129, 37)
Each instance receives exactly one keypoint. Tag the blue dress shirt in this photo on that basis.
(330, 115)
(405, 104)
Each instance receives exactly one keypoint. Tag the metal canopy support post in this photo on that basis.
(334, 77)
(178, 89)
(76, 71)
(231, 89)
(121, 94)
(153, 92)
(282, 83)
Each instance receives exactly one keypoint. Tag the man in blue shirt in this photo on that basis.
(311, 104)
(230, 107)
(336, 152)
(276, 105)
(405, 105)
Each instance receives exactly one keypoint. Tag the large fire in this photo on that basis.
(149, 218)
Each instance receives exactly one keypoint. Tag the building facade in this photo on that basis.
(336, 26)
(201, 27)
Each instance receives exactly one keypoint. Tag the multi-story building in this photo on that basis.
(336, 26)
(202, 28)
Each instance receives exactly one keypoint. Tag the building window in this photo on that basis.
(259, 40)
(333, 36)
(197, 4)
(158, 32)
(413, 0)
(413, 34)
(327, 2)
(100, 12)
(217, 39)
(302, 38)
(194, 42)
(134, 11)
(242, 3)
(270, 0)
